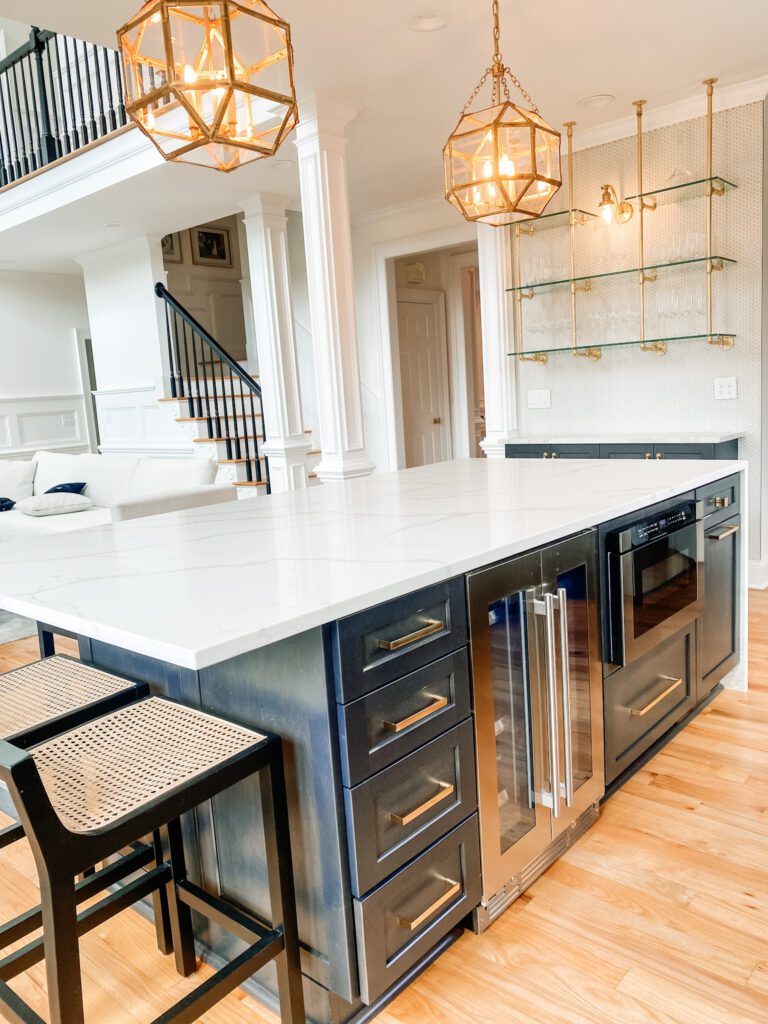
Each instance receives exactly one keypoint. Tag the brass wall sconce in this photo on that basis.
(612, 209)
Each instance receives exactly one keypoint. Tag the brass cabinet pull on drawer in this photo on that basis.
(417, 922)
(437, 705)
(432, 626)
(446, 790)
(721, 501)
(729, 532)
(640, 712)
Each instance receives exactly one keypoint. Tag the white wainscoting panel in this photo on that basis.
(33, 422)
(133, 422)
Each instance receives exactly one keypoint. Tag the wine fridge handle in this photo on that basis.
(554, 745)
(565, 662)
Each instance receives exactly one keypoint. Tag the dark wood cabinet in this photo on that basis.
(719, 625)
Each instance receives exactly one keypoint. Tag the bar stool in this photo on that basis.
(89, 792)
(41, 700)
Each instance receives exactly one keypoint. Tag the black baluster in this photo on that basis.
(56, 127)
(246, 431)
(120, 88)
(12, 172)
(197, 375)
(171, 378)
(70, 89)
(205, 389)
(179, 379)
(235, 419)
(227, 411)
(256, 437)
(185, 381)
(110, 94)
(48, 147)
(216, 407)
(74, 69)
(102, 118)
(92, 133)
(66, 138)
(33, 113)
(24, 155)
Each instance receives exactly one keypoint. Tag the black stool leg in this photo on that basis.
(62, 951)
(274, 808)
(160, 903)
(45, 641)
(179, 913)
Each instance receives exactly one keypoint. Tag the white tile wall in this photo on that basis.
(629, 391)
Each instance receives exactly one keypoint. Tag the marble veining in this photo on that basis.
(196, 587)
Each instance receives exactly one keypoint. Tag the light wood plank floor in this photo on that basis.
(659, 913)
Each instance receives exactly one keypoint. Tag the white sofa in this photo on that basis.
(120, 488)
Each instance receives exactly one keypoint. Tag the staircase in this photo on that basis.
(214, 400)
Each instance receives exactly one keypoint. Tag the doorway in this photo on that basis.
(437, 361)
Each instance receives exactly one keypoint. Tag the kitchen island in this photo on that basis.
(298, 614)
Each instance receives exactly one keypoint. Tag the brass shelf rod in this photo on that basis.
(718, 340)
(588, 353)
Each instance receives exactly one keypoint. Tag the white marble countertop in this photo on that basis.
(648, 438)
(197, 587)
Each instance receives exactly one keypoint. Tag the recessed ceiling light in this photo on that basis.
(601, 99)
(429, 21)
(281, 165)
(113, 225)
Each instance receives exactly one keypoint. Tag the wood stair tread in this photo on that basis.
(204, 419)
(249, 483)
(239, 462)
(223, 440)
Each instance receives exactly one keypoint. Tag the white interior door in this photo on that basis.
(424, 377)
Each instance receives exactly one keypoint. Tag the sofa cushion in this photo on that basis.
(6, 504)
(108, 478)
(17, 478)
(75, 488)
(155, 475)
(54, 504)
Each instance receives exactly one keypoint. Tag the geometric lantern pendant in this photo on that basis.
(210, 83)
(502, 163)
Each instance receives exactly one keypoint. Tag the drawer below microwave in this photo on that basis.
(646, 698)
(405, 917)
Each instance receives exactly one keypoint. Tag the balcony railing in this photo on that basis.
(57, 96)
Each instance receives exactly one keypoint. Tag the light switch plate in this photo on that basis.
(68, 419)
(540, 399)
(726, 389)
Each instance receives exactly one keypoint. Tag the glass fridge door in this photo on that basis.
(507, 695)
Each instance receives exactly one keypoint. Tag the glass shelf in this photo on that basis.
(686, 190)
(554, 220)
(625, 344)
(696, 260)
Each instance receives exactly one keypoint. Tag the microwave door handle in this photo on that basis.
(565, 662)
(554, 745)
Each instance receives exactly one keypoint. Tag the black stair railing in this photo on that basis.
(215, 387)
(57, 95)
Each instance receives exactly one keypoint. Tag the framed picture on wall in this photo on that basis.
(171, 245)
(211, 247)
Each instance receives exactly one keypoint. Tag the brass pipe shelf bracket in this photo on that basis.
(658, 348)
(539, 357)
(586, 353)
(722, 341)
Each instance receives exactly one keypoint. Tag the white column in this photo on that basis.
(321, 144)
(493, 246)
(286, 444)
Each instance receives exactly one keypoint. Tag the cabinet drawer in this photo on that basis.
(720, 500)
(378, 729)
(645, 699)
(383, 643)
(552, 451)
(718, 627)
(401, 921)
(400, 811)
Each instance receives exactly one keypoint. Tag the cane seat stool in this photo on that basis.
(87, 793)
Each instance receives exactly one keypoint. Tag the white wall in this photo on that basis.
(41, 392)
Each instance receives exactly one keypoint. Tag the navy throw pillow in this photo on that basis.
(66, 489)
(6, 504)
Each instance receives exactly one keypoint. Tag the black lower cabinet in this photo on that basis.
(718, 627)
(645, 699)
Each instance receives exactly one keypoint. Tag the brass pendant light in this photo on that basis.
(502, 163)
(210, 83)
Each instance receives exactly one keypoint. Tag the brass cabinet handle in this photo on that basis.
(437, 420)
(640, 712)
(721, 501)
(545, 455)
(437, 705)
(659, 455)
(554, 455)
(648, 455)
(417, 922)
(729, 532)
(446, 790)
(432, 626)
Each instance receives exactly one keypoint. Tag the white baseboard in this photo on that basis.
(757, 576)
(184, 451)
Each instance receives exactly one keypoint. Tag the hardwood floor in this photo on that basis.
(658, 914)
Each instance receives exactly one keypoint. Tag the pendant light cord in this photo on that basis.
(499, 72)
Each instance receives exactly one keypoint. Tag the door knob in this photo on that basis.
(437, 420)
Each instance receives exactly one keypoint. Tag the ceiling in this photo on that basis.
(411, 86)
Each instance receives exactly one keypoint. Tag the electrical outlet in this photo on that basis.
(540, 399)
(726, 389)
(68, 420)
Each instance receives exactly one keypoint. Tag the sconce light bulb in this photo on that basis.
(607, 212)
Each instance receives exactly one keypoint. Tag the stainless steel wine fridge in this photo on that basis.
(537, 679)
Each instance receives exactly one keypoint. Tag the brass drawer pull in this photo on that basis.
(417, 922)
(640, 712)
(446, 790)
(729, 532)
(432, 626)
(437, 705)
(721, 501)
